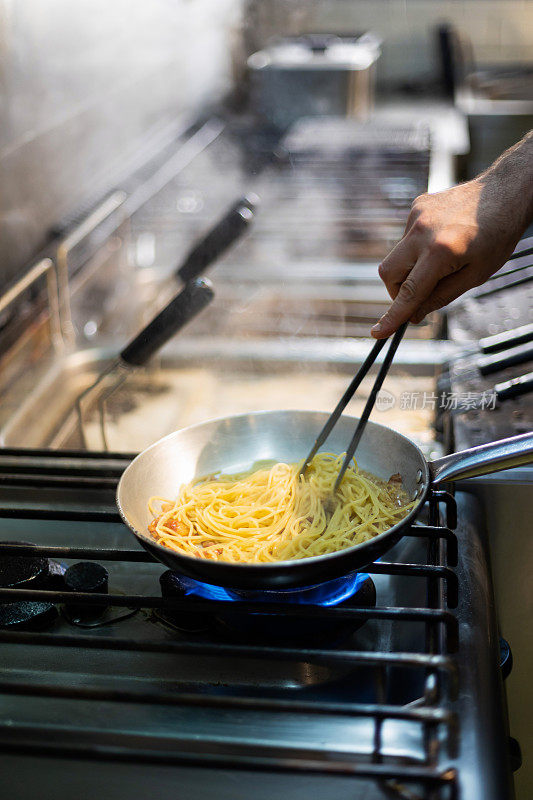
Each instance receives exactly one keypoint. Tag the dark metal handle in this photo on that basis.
(515, 387)
(509, 358)
(181, 310)
(503, 454)
(506, 339)
(505, 274)
(528, 251)
(506, 281)
(216, 242)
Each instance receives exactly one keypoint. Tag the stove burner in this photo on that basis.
(356, 589)
(330, 593)
(27, 615)
(172, 587)
(21, 572)
(91, 577)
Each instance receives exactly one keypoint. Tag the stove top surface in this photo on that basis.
(125, 691)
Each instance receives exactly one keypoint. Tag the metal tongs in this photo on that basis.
(347, 396)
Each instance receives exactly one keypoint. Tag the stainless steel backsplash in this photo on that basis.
(86, 89)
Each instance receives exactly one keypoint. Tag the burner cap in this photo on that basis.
(22, 572)
(25, 572)
(27, 615)
(91, 577)
(87, 576)
(356, 590)
(262, 627)
(189, 621)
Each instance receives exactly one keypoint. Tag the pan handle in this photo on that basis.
(509, 358)
(507, 339)
(504, 454)
(514, 387)
(232, 225)
(182, 309)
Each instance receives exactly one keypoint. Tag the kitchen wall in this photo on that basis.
(499, 30)
(87, 88)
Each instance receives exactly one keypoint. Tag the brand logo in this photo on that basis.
(385, 400)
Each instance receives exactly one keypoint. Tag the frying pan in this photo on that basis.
(232, 444)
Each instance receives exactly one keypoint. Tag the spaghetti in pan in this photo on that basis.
(271, 513)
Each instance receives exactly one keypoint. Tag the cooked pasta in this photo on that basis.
(273, 514)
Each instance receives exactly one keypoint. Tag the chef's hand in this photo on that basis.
(456, 239)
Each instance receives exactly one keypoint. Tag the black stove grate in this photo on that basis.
(84, 472)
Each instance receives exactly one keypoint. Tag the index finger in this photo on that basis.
(395, 268)
(414, 290)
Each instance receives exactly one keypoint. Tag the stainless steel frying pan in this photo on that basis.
(232, 444)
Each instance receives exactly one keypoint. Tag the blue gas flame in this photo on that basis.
(330, 593)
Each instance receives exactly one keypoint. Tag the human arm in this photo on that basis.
(456, 239)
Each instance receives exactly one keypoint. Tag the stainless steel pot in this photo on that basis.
(232, 444)
(314, 75)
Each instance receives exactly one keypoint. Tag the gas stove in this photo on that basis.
(120, 676)
(384, 685)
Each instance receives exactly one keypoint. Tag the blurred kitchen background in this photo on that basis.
(89, 90)
(303, 129)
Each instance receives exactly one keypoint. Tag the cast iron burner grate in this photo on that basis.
(79, 488)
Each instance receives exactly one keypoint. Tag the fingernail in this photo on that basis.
(376, 328)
